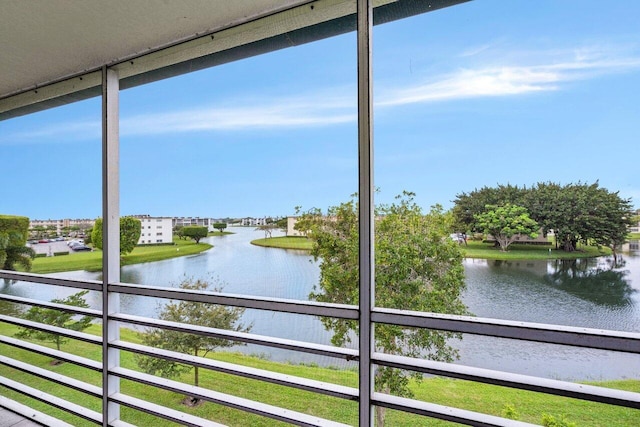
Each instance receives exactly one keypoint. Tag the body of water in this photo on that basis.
(588, 293)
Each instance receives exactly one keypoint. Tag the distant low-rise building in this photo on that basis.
(185, 221)
(291, 223)
(64, 226)
(155, 230)
(253, 222)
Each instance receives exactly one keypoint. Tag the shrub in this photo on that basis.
(551, 421)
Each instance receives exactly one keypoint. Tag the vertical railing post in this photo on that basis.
(110, 237)
(366, 209)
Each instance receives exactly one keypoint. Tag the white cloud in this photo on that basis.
(508, 80)
(529, 72)
(314, 110)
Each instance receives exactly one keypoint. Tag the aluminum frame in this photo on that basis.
(117, 76)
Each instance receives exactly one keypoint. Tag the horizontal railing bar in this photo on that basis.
(31, 414)
(446, 413)
(552, 334)
(162, 411)
(507, 379)
(242, 404)
(92, 285)
(62, 307)
(340, 311)
(52, 376)
(56, 354)
(321, 349)
(320, 387)
(81, 336)
(51, 400)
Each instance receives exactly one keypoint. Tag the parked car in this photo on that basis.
(43, 241)
(80, 247)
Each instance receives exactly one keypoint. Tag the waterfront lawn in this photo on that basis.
(285, 242)
(92, 261)
(477, 249)
(467, 395)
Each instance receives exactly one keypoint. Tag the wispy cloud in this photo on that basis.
(509, 80)
(519, 73)
(315, 110)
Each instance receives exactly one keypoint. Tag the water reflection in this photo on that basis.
(603, 283)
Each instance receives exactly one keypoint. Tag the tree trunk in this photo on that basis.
(380, 416)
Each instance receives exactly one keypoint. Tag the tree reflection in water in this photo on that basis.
(601, 281)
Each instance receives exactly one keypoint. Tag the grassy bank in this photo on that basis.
(92, 261)
(284, 242)
(476, 249)
(462, 394)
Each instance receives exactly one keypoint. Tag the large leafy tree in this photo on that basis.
(194, 313)
(575, 212)
(130, 229)
(506, 223)
(417, 268)
(467, 205)
(14, 231)
(195, 232)
(56, 317)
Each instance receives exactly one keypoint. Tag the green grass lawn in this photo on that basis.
(285, 242)
(476, 249)
(92, 261)
(472, 396)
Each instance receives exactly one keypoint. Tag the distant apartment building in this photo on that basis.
(185, 221)
(291, 223)
(62, 226)
(253, 222)
(155, 230)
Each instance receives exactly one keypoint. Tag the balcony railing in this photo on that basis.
(582, 337)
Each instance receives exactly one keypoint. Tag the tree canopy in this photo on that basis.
(194, 313)
(56, 317)
(505, 223)
(14, 231)
(575, 212)
(416, 268)
(194, 232)
(130, 229)
(220, 226)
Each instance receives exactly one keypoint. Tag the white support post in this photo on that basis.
(110, 239)
(366, 210)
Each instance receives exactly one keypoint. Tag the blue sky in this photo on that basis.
(478, 94)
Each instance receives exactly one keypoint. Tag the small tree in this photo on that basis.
(505, 223)
(130, 229)
(194, 313)
(195, 232)
(268, 229)
(55, 317)
(220, 226)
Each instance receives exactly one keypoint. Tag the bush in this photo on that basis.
(61, 253)
(509, 411)
(551, 421)
(40, 255)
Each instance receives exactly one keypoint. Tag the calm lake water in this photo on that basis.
(588, 293)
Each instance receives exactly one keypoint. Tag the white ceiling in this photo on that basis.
(47, 40)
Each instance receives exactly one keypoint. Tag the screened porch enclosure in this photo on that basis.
(107, 56)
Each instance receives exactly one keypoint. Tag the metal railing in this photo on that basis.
(573, 336)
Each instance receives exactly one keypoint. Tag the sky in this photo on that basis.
(483, 93)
